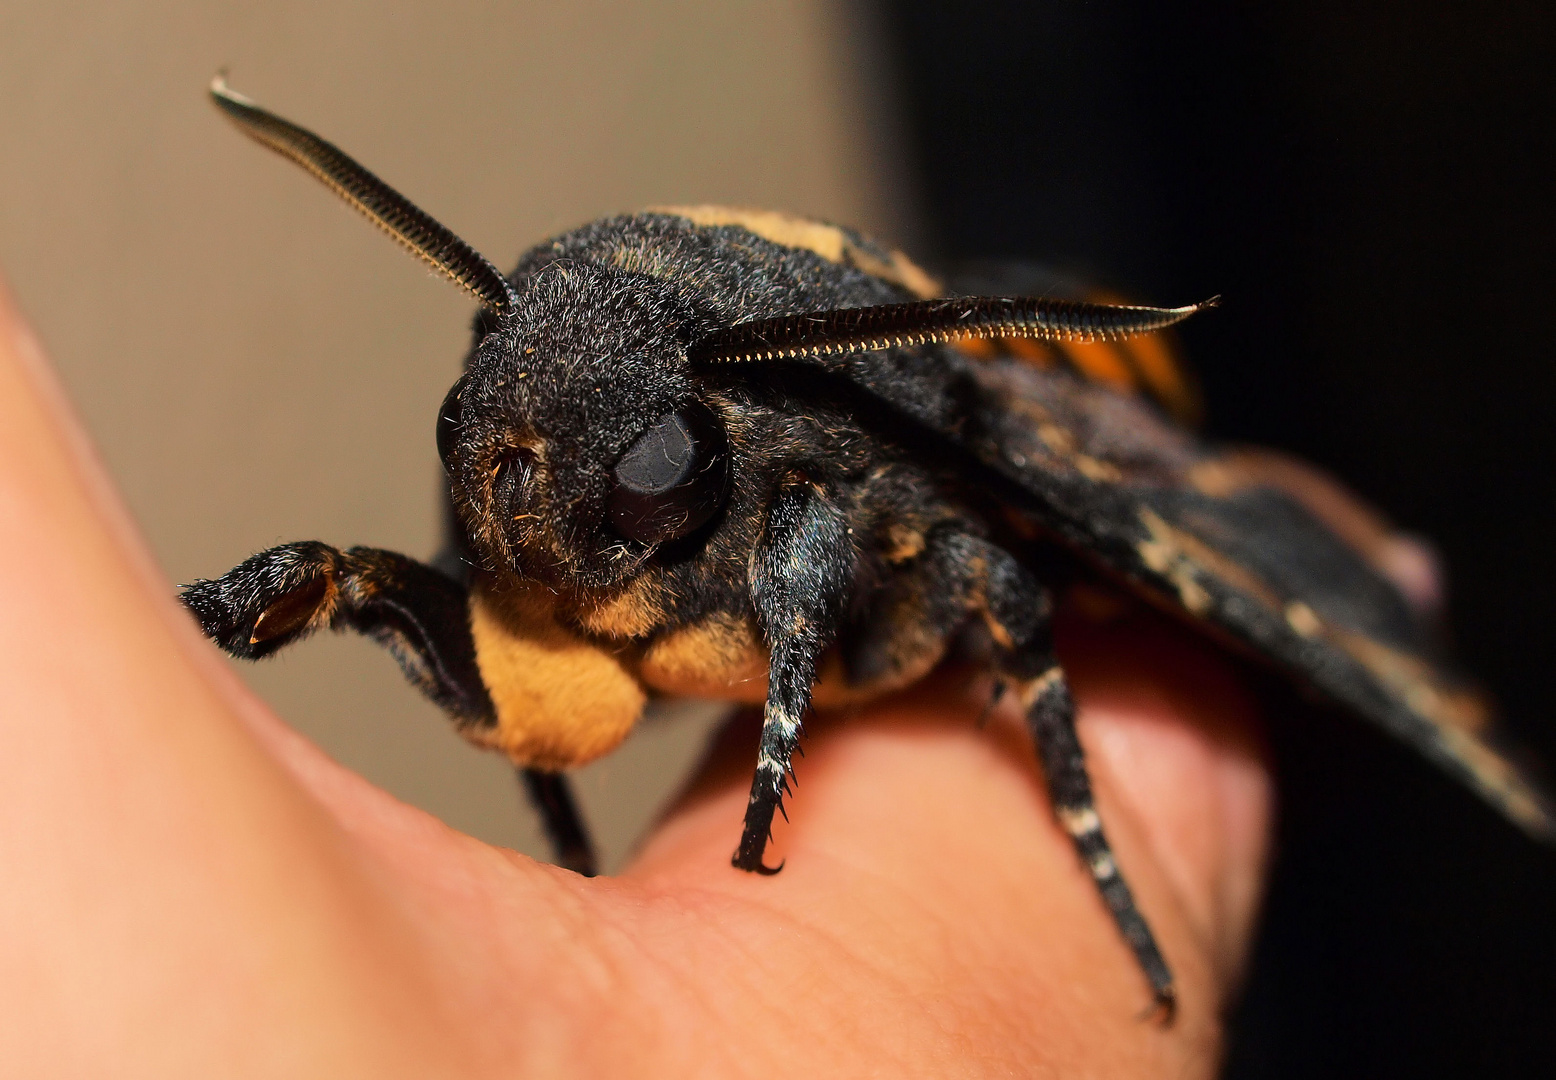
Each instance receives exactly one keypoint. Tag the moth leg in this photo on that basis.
(1018, 610)
(419, 614)
(552, 795)
(1050, 712)
(800, 573)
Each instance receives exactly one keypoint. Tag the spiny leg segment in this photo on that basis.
(800, 575)
(799, 582)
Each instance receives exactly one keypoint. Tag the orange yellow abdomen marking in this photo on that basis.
(561, 700)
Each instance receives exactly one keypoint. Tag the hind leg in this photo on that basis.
(1040, 686)
(1017, 610)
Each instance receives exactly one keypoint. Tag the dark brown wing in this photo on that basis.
(1264, 551)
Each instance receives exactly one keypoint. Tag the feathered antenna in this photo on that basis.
(384, 206)
(850, 330)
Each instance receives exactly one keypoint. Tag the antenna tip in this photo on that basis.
(1214, 301)
(224, 93)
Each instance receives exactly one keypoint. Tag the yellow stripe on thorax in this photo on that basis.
(832, 243)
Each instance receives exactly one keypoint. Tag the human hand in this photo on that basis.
(190, 888)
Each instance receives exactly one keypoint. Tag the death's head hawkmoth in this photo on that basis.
(730, 453)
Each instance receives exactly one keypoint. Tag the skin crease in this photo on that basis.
(187, 888)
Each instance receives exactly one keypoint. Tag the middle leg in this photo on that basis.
(800, 575)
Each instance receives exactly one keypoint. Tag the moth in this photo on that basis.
(734, 454)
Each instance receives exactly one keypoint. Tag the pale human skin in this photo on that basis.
(188, 888)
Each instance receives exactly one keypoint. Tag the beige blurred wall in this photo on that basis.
(258, 365)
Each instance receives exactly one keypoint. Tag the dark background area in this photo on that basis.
(1370, 186)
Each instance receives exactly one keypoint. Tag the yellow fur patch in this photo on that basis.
(721, 657)
(561, 700)
(724, 657)
(903, 543)
(630, 613)
(828, 241)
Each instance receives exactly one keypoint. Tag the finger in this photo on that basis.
(154, 860)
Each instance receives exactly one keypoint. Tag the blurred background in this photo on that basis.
(1369, 184)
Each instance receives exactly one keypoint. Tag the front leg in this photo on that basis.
(421, 615)
(800, 574)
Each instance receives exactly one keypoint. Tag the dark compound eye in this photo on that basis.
(673, 478)
(450, 419)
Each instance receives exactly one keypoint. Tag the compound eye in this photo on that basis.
(673, 478)
(450, 419)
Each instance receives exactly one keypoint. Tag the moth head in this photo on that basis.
(578, 441)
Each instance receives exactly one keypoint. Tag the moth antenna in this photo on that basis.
(851, 330)
(384, 206)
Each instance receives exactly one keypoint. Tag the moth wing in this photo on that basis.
(1263, 551)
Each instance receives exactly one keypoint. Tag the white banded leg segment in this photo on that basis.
(1079, 823)
(800, 576)
(775, 760)
(1050, 712)
(1085, 829)
(1051, 682)
(781, 730)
